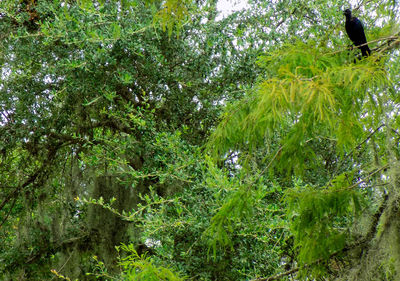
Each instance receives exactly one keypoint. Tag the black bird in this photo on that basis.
(355, 31)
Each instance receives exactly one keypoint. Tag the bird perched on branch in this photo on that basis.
(355, 31)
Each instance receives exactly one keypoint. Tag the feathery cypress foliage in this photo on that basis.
(309, 94)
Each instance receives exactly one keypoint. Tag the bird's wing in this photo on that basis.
(357, 34)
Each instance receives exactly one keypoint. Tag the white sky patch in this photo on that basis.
(152, 243)
(227, 7)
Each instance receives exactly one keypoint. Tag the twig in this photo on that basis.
(394, 37)
(283, 20)
(61, 268)
(367, 177)
(357, 147)
(279, 276)
(364, 141)
(30, 180)
(9, 212)
(270, 162)
(357, 183)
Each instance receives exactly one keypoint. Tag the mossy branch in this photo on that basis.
(367, 238)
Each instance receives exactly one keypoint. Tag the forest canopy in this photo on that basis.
(159, 140)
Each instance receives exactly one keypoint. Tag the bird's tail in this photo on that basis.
(365, 51)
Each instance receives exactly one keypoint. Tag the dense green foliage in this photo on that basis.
(154, 140)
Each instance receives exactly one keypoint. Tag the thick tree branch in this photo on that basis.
(41, 172)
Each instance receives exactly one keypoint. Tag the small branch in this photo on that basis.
(9, 212)
(392, 38)
(283, 20)
(357, 147)
(272, 160)
(279, 276)
(367, 177)
(266, 168)
(360, 4)
(61, 268)
(364, 141)
(30, 180)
